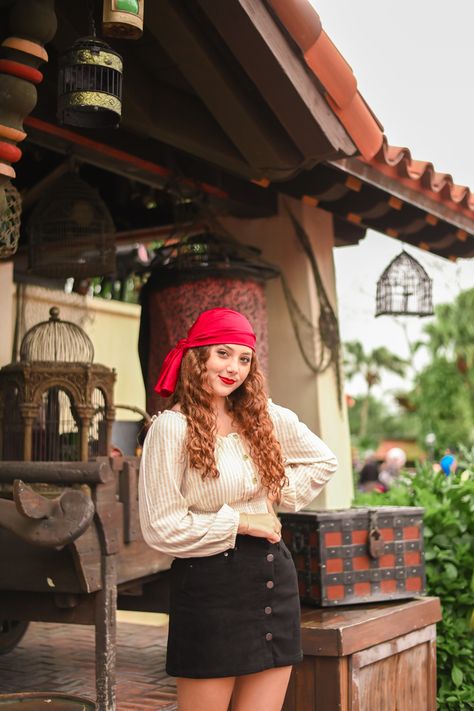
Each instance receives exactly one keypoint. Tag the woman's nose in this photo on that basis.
(232, 366)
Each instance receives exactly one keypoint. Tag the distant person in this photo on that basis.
(448, 463)
(369, 473)
(391, 466)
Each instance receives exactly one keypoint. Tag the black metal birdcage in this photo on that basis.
(404, 289)
(90, 85)
(71, 232)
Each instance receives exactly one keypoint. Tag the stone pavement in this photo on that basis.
(55, 657)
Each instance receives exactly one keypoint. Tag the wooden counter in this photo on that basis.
(378, 657)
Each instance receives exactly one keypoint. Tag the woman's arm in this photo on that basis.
(309, 463)
(167, 523)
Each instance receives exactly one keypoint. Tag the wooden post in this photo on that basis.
(105, 635)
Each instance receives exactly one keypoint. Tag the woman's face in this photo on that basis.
(227, 367)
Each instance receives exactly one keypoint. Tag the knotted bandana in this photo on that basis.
(210, 328)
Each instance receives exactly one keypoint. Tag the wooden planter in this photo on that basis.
(367, 657)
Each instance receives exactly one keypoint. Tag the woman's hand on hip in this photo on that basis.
(264, 525)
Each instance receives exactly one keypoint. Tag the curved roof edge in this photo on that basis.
(303, 24)
(397, 163)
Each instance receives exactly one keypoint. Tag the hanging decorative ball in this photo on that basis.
(10, 221)
(90, 85)
(404, 289)
(71, 232)
(123, 18)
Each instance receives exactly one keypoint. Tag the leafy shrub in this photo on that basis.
(449, 556)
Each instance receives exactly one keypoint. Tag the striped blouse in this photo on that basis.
(183, 515)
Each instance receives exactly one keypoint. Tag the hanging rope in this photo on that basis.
(320, 344)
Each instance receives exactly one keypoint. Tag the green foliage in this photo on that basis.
(452, 332)
(443, 403)
(449, 556)
(381, 424)
(370, 365)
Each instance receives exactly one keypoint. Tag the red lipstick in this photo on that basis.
(227, 381)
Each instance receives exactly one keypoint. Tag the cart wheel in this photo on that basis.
(11, 632)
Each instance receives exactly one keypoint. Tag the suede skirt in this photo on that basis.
(234, 613)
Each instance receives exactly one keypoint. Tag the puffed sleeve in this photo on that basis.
(309, 463)
(166, 521)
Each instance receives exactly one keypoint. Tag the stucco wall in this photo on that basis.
(292, 384)
(7, 290)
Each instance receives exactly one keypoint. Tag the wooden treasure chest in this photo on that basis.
(358, 555)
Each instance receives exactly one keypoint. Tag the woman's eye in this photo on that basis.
(222, 353)
(245, 360)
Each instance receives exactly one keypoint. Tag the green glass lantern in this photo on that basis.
(123, 18)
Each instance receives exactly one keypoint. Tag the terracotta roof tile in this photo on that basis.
(332, 71)
(300, 19)
(303, 24)
(420, 175)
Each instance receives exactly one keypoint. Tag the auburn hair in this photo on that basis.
(249, 408)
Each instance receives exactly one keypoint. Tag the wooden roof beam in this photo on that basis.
(241, 113)
(262, 49)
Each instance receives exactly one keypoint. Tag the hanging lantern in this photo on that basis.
(404, 289)
(71, 232)
(90, 85)
(123, 18)
(10, 222)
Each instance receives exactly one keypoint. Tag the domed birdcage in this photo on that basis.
(55, 403)
(404, 289)
(71, 232)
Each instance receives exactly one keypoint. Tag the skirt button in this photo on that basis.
(270, 557)
(269, 636)
(268, 610)
(270, 584)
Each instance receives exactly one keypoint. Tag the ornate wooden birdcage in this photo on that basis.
(71, 232)
(10, 222)
(55, 403)
(404, 289)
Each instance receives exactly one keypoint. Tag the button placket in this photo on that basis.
(270, 584)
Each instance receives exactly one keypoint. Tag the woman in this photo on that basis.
(213, 465)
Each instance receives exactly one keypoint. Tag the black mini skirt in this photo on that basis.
(234, 613)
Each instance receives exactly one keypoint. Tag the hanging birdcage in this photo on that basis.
(205, 253)
(10, 221)
(90, 85)
(55, 404)
(404, 289)
(71, 232)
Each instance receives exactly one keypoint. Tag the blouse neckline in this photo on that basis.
(234, 435)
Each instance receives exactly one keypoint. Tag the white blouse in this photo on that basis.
(185, 516)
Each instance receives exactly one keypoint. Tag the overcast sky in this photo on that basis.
(413, 61)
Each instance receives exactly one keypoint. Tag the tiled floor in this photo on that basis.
(54, 657)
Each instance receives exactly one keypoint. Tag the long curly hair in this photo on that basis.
(248, 405)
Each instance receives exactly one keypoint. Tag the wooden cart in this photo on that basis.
(57, 572)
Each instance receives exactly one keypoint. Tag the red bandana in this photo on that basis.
(210, 328)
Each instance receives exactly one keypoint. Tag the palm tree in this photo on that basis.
(370, 365)
(451, 333)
